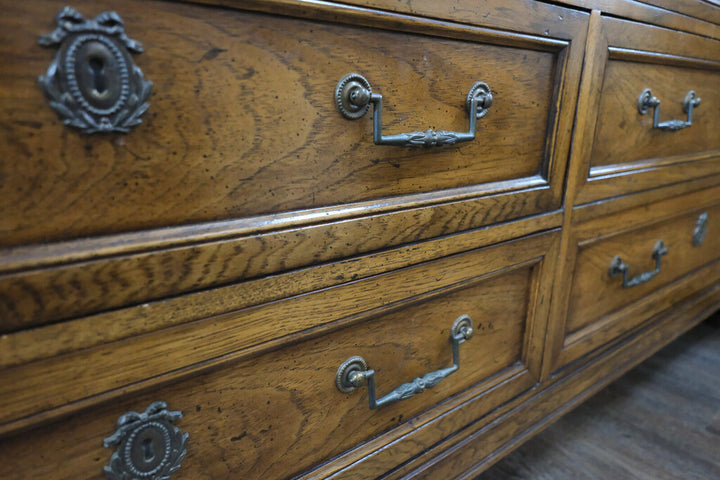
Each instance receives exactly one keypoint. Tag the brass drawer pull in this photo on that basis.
(354, 371)
(647, 101)
(353, 96)
(617, 267)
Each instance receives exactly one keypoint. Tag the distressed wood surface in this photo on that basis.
(269, 415)
(217, 191)
(256, 292)
(119, 275)
(50, 340)
(243, 122)
(595, 293)
(32, 392)
(479, 448)
(627, 155)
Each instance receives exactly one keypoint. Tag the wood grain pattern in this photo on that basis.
(223, 157)
(266, 413)
(485, 445)
(595, 293)
(587, 318)
(50, 340)
(85, 277)
(627, 155)
(625, 136)
(46, 283)
(230, 253)
(31, 392)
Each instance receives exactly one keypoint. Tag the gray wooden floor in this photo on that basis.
(661, 421)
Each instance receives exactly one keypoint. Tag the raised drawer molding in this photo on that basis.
(281, 239)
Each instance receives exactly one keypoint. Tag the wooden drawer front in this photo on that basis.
(622, 152)
(624, 136)
(279, 413)
(242, 121)
(600, 308)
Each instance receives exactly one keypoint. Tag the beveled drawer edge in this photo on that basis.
(644, 56)
(650, 14)
(617, 223)
(541, 408)
(61, 253)
(36, 400)
(626, 34)
(55, 339)
(398, 16)
(64, 291)
(602, 171)
(468, 402)
(607, 206)
(580, 341)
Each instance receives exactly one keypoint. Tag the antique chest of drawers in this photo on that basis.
(363, 239)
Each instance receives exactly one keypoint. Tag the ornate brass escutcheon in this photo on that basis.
(92, 83)
(149, 446)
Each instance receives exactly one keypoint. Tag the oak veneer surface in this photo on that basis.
(83, 231)
(625, 136)
(660, 421)
(280, 413)
(596, 293)
(243, 121)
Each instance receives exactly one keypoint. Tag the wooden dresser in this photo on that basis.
(219, 261)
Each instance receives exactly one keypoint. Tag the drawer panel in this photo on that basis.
(624, 136)
(279, 413)
(243, 122)
(622, 149)
(595, 293)
(602, 304)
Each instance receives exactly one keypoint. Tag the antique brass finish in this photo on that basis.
(646, 100)
(354, 372)
(92, 83)
(149, 445)
(700, 230)
(617, 267)
(353, 96)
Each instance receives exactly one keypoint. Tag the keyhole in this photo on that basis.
(97, 67)
(148, 449)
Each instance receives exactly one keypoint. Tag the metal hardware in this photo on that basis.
(354, 372)
(700, 230)
(617, 267)
(149, 446)
(353, 96)
(92, 83)
(646, 100)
